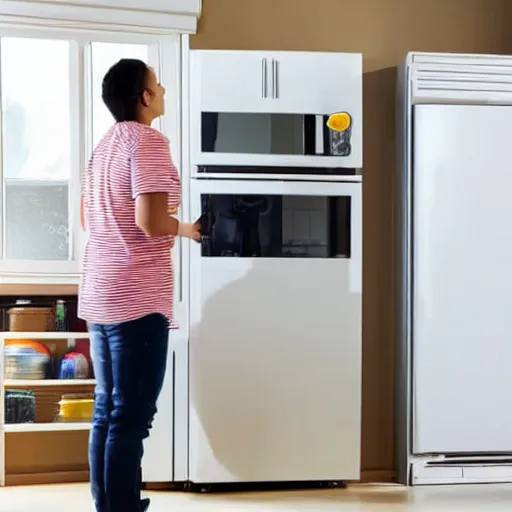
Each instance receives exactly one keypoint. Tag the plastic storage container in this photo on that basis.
(76, 408)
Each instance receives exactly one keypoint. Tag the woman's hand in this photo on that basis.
(187, 229)
(190, 230)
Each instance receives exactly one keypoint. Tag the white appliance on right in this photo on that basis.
(454, 403)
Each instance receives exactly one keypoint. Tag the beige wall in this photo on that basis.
(383, 30)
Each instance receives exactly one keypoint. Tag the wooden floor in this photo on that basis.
(75, 498)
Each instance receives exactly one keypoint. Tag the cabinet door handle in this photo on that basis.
(264, 78)
(273, 85)
(276, 79)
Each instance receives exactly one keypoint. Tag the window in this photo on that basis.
(52, 117)
(36, 133)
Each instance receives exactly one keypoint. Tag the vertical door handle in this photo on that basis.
(264, 78)
(273, 85)
(276, 79)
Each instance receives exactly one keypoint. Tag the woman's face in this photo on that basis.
(154, 96)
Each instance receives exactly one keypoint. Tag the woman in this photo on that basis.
(126, 291)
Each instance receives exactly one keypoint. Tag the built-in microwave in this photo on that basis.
(300, 141)
(277, 134)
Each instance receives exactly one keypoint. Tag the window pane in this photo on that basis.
(104, 56)
(36, 147)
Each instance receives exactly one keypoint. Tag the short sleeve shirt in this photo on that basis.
(126, 273)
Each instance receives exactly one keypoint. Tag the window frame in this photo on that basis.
(165, 57)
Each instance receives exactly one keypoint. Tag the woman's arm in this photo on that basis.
(152, 217)
(155, 187)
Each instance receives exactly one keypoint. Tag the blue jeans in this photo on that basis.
(129, 361)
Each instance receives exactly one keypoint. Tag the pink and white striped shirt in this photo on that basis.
(126, 274)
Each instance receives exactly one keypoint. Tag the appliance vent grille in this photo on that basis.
(462, 469)
(455, 78)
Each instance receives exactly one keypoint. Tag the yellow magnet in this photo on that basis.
(339, 121)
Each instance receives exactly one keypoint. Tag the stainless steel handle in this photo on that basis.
(264, 78)
(276, 79)
(319, 135)
(273, 86)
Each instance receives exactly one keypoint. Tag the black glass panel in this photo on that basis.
(270, 226)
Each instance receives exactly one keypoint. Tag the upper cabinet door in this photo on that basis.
(316, 83)
(231, 81)
(277, 82)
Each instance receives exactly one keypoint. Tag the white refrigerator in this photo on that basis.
(275, 352)
(455, 320)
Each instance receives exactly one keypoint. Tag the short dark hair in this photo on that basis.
(122, 88)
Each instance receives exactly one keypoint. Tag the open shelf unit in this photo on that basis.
(44, 449)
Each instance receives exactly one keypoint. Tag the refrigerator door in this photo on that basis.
(275, 338)
(462, 279)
